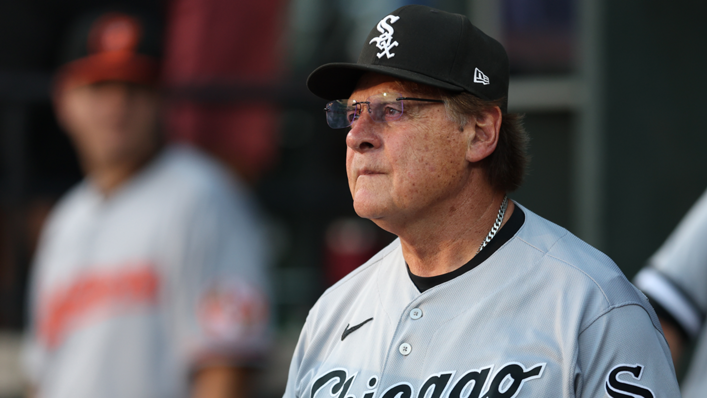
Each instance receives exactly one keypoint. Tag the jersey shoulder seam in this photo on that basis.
(617, 306)
(547, 253)
(585, 274)
(559, 238)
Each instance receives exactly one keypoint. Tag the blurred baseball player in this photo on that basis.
(478, 296)
(149, 279)
(674, 280)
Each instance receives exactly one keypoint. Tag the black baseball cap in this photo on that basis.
(112, 44)
(423, 45)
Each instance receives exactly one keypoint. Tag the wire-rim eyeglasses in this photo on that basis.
(384, 107)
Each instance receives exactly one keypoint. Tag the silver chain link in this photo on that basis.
(496, 225)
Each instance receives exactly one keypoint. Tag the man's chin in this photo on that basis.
(366, 212)
(369, 211)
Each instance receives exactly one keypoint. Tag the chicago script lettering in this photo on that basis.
(505, 383)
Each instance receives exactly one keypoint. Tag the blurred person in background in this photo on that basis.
(149, 279)
(675, 281)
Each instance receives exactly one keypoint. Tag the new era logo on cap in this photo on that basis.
(385, 40)
(479, 77)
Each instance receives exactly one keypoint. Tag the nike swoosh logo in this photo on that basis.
(348, 331)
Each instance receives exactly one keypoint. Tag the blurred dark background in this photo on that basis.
(612, 92)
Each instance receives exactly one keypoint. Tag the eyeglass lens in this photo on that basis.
(383, 107)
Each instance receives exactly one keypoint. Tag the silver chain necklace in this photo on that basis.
(496, 225)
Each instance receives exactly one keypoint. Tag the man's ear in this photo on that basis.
(484, 137)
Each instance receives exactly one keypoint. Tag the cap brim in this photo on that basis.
(124, 67)
(338, 80)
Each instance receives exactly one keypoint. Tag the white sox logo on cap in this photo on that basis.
(385, 40)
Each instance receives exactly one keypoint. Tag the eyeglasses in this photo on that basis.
(385, 107)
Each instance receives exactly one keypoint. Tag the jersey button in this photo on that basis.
(416, 313)
(405, 349)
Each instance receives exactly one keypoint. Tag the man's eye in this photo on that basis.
(391, 111)
(352, 114)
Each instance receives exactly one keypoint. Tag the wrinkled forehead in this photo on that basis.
(373, 83)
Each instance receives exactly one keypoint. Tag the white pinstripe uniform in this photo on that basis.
(676, 280)
(132, 292)
(537, 313)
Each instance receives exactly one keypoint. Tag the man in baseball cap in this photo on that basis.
(478, 296)
(149, 280)
(110, 45)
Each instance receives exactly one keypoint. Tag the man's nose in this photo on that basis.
(364, 134)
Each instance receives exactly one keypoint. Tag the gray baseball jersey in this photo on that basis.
(132, 292)
(542, 314)
(676, 280)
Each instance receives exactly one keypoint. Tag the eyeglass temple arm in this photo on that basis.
(418, 99)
